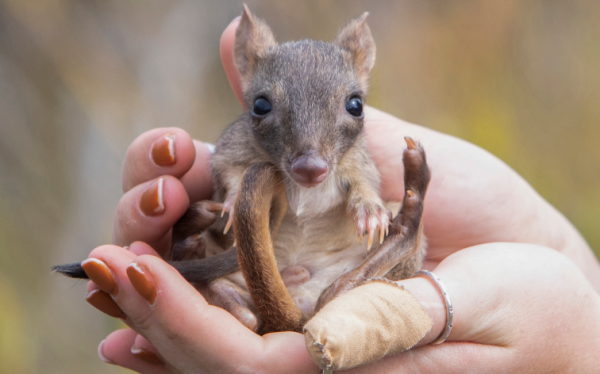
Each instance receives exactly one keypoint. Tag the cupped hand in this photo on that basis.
(517, 308)
(473, 199)
(187, 334)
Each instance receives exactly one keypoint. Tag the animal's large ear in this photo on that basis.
(252, 39)
(356, 38)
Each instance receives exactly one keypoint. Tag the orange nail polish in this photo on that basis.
(149, 357)
(104, 303)
(100, 274)
(162, 152)
(151, 202)
(142, 281)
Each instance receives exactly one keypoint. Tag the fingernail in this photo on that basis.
(142, 281)
(162, 152)
(151, 202)
(149, 357)
(211, 147)
(100, 274)
(104, 303)
(101, 353)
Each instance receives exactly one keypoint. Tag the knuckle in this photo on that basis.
(175, 336)
(143, 321)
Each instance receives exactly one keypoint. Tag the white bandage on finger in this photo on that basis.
(372, 321)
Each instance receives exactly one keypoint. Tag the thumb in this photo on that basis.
(227, 59)
(508, 301)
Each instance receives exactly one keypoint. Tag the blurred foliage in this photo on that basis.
(79, 80)
(13, 347)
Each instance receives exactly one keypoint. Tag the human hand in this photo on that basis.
(517, 308)
(511, 302)
(473, 198)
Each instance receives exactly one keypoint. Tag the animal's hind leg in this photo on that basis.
(402, 252)
(416, 180)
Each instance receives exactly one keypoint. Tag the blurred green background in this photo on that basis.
(79, 80)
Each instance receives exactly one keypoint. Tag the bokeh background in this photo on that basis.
(80, 79)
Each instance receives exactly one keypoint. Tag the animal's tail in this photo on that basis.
(194, 271)
(260, 207)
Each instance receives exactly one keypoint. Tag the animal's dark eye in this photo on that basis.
(261, 107)
(354, 106)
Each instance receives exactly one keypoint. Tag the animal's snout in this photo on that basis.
(309, 169)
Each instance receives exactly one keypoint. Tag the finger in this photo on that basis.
(107, 281)
(148, 212)
(171, 335)
(197, 181)
(140, 248)
(227, 59)
(171, 332)
(448, 358)
(163, 151)
(471, 301)
(102, 301)
(116, 350)
(172, 315)
(506, 320)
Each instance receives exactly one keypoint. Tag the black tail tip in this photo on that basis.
(71, 270)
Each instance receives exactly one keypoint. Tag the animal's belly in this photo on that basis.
(327, 246)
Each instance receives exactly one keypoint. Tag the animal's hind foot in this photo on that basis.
(416, 171)
(416, 180)
(408, 222)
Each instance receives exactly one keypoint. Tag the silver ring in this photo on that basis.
(444, 335)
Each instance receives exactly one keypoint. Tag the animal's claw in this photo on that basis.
(369, 218)
(410, 143)
(228, 207)
(370, 241)
(229, 222)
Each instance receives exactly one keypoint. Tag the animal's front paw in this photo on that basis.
(369, 216)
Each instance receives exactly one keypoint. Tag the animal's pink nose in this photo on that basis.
(309, 170)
